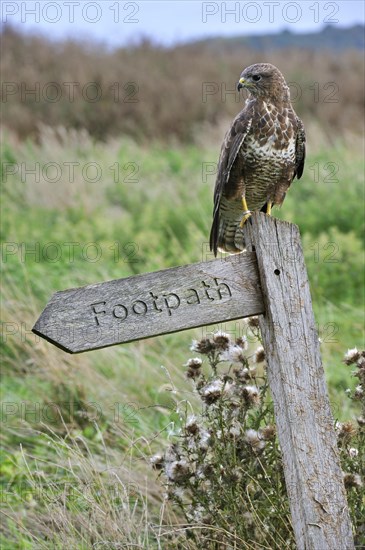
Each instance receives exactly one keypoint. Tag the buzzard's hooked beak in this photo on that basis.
(241, 83)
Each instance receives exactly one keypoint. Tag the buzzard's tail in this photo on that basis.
(226, 234)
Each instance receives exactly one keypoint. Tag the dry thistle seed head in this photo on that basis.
(233, 476)
(157, 461)
(251, 395)
(259, 355)
(194, 363)
(268, 432)
(212, 391)
(194, 367)
(242, 373)
(205, 440)
(352, 480)
(236, 475)
(245, 374)
(233, 354)
(205, 471)
(241, 341)
(173, 453)
(235, 429)
(254, 439)
(177, 471)
(192, 426)
(352, 452)
(193, 373)
(221, 340)
(346, 430)
(253, 322)
(203, 346)
(351, 356)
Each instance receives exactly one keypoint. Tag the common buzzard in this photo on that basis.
(261, 154)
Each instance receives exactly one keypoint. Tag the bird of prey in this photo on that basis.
(261, 154)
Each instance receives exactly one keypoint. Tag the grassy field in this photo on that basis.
(92, 212)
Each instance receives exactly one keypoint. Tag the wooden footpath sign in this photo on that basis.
(269, 280)
(115, 312)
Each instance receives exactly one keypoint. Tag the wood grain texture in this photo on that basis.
(304, 421)
(152, 304)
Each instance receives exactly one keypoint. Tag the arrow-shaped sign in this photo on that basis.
(123, 310)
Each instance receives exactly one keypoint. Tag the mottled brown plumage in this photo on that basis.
(261, 154)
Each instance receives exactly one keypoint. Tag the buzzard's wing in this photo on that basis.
(228, 156)
(300, 149)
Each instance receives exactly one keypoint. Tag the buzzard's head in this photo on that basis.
(265, 80)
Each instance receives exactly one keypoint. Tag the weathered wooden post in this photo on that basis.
(269, 280)
(303, 417)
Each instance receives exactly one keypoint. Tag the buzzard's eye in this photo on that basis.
(256, 77)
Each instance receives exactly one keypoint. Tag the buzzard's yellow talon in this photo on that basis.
(268, 208)
(245, 217)
(246, 212)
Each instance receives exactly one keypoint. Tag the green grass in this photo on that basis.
(160, 220)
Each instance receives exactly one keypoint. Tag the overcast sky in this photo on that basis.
(117, 22)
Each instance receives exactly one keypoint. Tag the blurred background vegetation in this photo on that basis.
(153, 92)
(139, 198)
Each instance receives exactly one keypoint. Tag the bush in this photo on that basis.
(224, 470)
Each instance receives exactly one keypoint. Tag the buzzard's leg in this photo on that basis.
(268, 208)
(246, 212)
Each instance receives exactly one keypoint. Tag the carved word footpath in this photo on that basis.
(152, 304)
